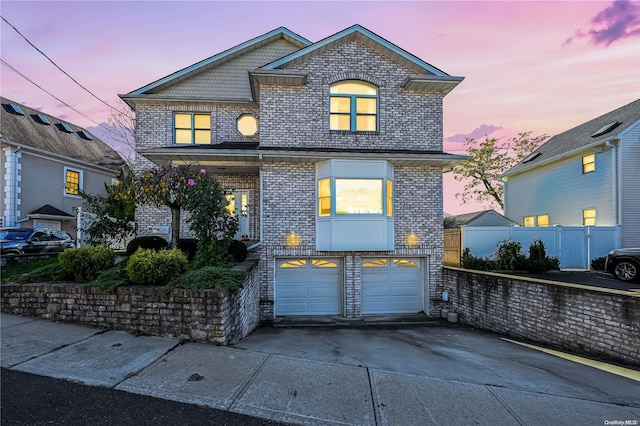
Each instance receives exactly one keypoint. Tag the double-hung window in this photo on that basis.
(192, 128)
(589, 217)
(353, 106)
(72, 182)
(588, 163)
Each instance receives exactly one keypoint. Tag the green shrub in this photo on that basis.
(189, 246)
(152, 242)
(45, 274)
(510, 256)
(597, 264)
(152, 267)
(469, 261)
(85, 263)
(237, 250)
(210, 253)
(111, 278)
(209, 277)
(538, 260)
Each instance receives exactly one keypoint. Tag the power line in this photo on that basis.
(56, 65)
(54, 96)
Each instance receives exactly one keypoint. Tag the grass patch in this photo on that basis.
(209, 277)
(13, 272)
(111, 278)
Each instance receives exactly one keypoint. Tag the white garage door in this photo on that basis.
(308, 287)
(391, 286)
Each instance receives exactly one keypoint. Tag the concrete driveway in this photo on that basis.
(451, 354)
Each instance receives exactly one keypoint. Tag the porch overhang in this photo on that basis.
(248, 160)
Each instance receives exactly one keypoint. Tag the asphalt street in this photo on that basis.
(32, 400)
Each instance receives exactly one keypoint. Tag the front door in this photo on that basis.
(239, 206)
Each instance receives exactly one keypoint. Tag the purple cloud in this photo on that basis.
(483, 130)
(618, 21)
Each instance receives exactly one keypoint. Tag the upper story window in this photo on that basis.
(529, 221)
(192, 128)
(543, 220)
(589, 163)
(589, 217)
(247, 125)
(353, 107)
(72, 182)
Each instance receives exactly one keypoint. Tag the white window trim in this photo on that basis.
(64, 181)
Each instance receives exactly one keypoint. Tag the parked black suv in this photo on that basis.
(624, 264)
(34, 240)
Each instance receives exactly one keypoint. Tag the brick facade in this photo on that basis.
(597, 322)
(299, 116)
(293, 116)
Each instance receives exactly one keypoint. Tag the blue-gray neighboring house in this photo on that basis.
(586, 176)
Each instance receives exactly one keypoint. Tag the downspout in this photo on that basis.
(261, 205)
(614, 180)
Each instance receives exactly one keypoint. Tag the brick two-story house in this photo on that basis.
(334, 149)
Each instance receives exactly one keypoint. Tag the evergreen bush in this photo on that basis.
(237, 250)
(150, 267)
(188, 246)
(85, 263)
(210, 277)
(152, 242)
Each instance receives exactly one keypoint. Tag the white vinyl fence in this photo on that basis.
(83, 222)
(575, 246)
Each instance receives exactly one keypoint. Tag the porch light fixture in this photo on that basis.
(412, 239)
(292, 239)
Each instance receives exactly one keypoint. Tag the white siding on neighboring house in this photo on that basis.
(629, 148)
(562, 191)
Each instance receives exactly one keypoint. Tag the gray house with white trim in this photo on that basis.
(46, 162)
(334, 149)
(586, 176)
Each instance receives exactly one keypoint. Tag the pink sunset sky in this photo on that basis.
(543, 67)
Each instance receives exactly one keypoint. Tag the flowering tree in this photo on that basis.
(192, 189)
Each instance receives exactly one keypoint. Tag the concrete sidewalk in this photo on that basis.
(299, 390)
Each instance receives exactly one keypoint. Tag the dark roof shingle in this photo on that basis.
(583, 135)
(29, 131)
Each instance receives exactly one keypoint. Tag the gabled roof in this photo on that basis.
(220, 58)
(590, 134)
(469, 218)
(29, 130)
(225, 77)
(49, 210)
(369, 38)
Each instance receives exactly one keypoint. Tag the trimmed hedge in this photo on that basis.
(85, 263)
(237, 250)
(150, 267)
(152, 242)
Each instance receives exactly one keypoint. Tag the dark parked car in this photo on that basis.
(624, 264)
(34, 240)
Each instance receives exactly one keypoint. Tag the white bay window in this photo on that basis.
(354, 205)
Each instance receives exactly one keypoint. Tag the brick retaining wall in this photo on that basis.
(582, 319)
(206, 316)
